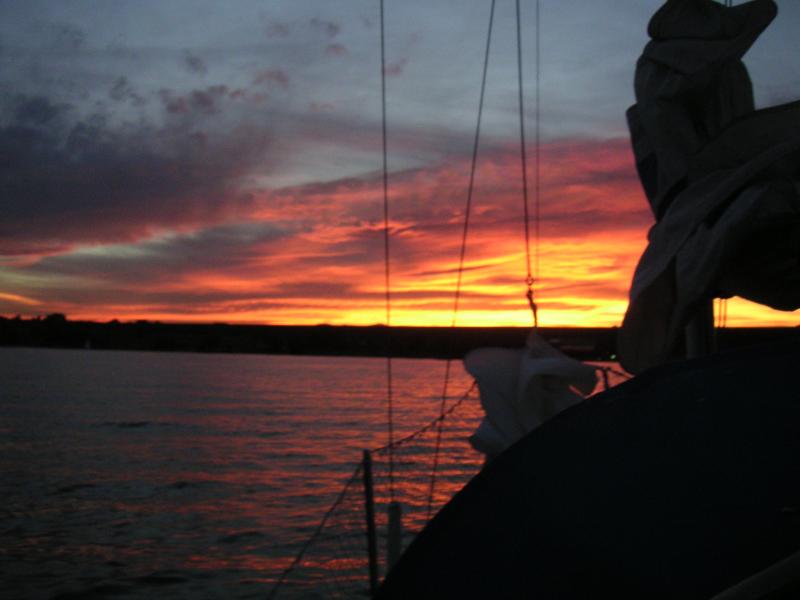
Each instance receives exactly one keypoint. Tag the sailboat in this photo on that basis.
(681, 483)
(721, 177)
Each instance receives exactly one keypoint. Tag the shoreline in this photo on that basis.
(596, 343)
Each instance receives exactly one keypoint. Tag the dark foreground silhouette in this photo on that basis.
(676, 484)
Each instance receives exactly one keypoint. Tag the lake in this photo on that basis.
(136, 474)
(191, 475)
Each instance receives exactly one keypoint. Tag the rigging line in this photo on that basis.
(529, 280)
(538, 142)
(462, 254)
(387, 278)
(722, 307)
(724, 312)
(606, 382)
(316, 533)
(419, 432)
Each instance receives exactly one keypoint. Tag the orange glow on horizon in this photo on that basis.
(328, 266)
(741, 313)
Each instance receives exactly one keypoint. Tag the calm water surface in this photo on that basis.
(185, 475)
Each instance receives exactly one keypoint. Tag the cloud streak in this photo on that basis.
(313, 253)
(318, 248)
(85, 181)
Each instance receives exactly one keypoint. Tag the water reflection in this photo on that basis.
(201, 475)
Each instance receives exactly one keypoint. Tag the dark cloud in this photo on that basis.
(450, 271)
(231, 247)
(195, 64)
(329, 28)
(86, 181)
(37, 111)
(179, 273)
(122, 91)
(271, 76)
(206, 100)
(69, 37)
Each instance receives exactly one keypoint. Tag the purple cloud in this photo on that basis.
(122, 91)
(270, 76)
(68, 181)
(206, 100)
(195, 64)
(329, 28)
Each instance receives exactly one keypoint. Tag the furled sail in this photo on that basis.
(722, 179)
(521, 388)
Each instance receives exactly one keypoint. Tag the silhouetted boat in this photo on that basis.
(685, 481)
(721, 177)
(677, 484)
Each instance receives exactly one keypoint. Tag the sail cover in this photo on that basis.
(722, 179)
(521, 388)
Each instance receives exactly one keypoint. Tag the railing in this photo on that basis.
(367, 526)
(364, 531)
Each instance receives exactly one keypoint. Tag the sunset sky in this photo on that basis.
(190, 160)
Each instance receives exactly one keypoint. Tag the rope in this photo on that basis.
(538, 142)
(462, 254)
(346, 541)
(316, 533)
(387, 282)
(532, 274)
(606, 371)
(722, 313)
(422, 430)
(621, 374)
(722, 306)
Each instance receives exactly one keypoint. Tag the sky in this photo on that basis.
(198, 161)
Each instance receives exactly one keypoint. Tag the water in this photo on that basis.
(185, 475)
(133, 474)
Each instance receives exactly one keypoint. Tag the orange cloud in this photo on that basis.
(314, 253)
